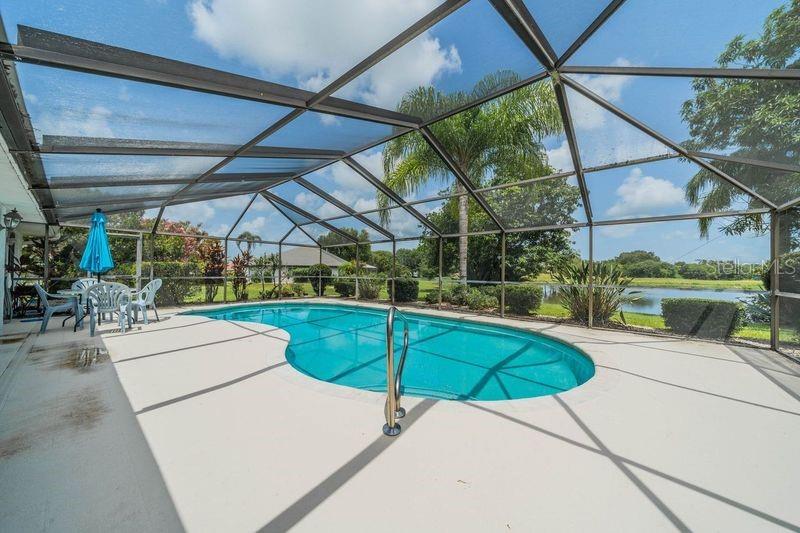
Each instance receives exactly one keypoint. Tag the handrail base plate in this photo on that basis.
(391, 431)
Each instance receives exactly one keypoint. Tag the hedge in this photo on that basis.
(405, 289)
(522, 299)
(710, 319)
(312, 275)
(173, 291)
(345, 287)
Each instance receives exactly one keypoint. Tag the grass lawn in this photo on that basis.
(752, 332)
(681, 283)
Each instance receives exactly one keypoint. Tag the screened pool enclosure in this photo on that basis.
(486, 144)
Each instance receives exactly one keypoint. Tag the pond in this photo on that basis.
(649, 298)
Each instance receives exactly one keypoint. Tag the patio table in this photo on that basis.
(78, 313)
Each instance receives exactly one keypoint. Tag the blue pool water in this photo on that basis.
(447, 359)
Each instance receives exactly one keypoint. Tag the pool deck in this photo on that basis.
(202, 425)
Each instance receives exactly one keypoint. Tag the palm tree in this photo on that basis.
(502, 136)
(249, 239)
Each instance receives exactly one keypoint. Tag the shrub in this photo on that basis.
(312, 275)
(345, 287)
(522, 299)
(433, 297)
(477, 299)
(457, 295)
(369, 287)
(405, 289)
(240, 265)
(173, 291)
(287, 290)
(711, 319)
(607, 297)
(296, 289)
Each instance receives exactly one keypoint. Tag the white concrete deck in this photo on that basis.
(669, 434)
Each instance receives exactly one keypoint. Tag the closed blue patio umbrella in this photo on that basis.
(97, 254)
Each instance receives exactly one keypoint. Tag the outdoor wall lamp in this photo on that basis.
(11, 220)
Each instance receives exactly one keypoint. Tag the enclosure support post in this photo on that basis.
(152, 254)
(394, 266)
(46, 257)
(139, 243)
(280, 269)
(774, 276)
(319, 274)
(358, 268)
(590, 288)
(503, 274)
(3, 303)
(225, 274)
(440, 273)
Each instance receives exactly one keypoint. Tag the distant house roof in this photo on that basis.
(303, 257)
(309, 256)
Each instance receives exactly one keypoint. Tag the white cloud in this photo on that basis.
(417, 64)
(254, 225)
(603, 137)
(347, 178)
(194, 212)
(307, 201)
(588, 115)
(315, 42)
(618, 232)
(641, 196)
(79, 122)
(560, 158)
(234, 203)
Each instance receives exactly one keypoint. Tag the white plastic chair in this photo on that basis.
(83, 284)
(56, 303)
(146, 298)
(109, 299)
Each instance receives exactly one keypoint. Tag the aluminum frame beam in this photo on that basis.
(604, 15)
(440, 12)
(344, 207)
(572, 142)
(445, 156)
(788, 205)
(313, 219)
(295, 225)
(662, 139)
(385, 190)
(62, 144)
(63, 51)
(144, 199)
(241, 215)
(522, 23)
(127, 181)
(785, 167)
(748, 73)
(18, 134)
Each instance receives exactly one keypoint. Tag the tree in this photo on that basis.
(761, 118)
(248, 238)
(382, 261)
(409, 258)
(348, 253)
(528, 254)
(501, 136)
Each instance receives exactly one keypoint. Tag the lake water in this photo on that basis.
(649, 298)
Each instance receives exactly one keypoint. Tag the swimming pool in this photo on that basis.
(447, 359)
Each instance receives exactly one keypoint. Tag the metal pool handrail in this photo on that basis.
(392, 409)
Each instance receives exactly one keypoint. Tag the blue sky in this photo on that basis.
(307, 44)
